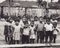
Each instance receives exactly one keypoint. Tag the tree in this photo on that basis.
(51, 0)
(9, 0)
(59, 1)
(39, 1)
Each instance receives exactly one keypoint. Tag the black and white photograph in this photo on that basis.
(29, 23)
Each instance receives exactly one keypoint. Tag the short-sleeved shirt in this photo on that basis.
(55, 30)
(21, 23)
(26, 31)
(40, 26)
(48, 27)
(17, 28)
(54, 22)
(32, 29)
(36, 23)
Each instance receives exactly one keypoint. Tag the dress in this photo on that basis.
(16, 34)
(32, 34)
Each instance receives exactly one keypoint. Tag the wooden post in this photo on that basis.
(47, 10)
(1, 11)
(9, 8)
(25, 10)
(51, 0)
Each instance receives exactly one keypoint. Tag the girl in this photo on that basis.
(55, 32)
(16, 33)
(32, 33)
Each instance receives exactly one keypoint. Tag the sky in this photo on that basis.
(1, 1)
(35, 0)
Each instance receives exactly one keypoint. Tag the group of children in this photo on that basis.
(34, 30)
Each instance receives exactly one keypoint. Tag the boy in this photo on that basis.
(48, 31)
(25, 34)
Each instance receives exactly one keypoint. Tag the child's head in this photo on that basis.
(16, 23)
(32, 25)
(55, 26)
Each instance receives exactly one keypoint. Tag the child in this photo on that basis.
(55, 32)
(16, 33)
(32, 33)
(25, 34)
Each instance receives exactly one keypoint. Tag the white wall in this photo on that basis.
(21, 11)
(54, 11)
(13, 11)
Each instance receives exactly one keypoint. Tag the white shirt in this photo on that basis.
(32, 35)
(53, 21)
(21, 23)
(40, 26)
(32, 29)
(16, 34)
(55, 31)
(17, 28)
(13, 22)
(36, 23)
(29, 22)
(48, 27)
(26, 31)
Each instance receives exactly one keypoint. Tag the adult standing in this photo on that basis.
(36, 21)
(40, 31)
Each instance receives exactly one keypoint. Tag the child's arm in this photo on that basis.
(29, 32)
(21, 30)
(57, 30)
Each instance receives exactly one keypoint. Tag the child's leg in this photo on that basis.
(38, 36)
(6, 38)
(31, 40)
(55, 38)
(51, 36)
(23, 39)
(13, 41)
(27, 39)
(9, 40)
(41, 37)
(46, 37)
(17, 41)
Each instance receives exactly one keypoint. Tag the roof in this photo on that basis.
(55, 5)
(20, 3)
(4, 3)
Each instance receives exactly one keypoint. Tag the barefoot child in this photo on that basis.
(55, 32)
(32, 33)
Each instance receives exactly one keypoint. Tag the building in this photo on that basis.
(15, 8)
(20, 8)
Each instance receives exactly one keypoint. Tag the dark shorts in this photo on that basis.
(49, 33)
